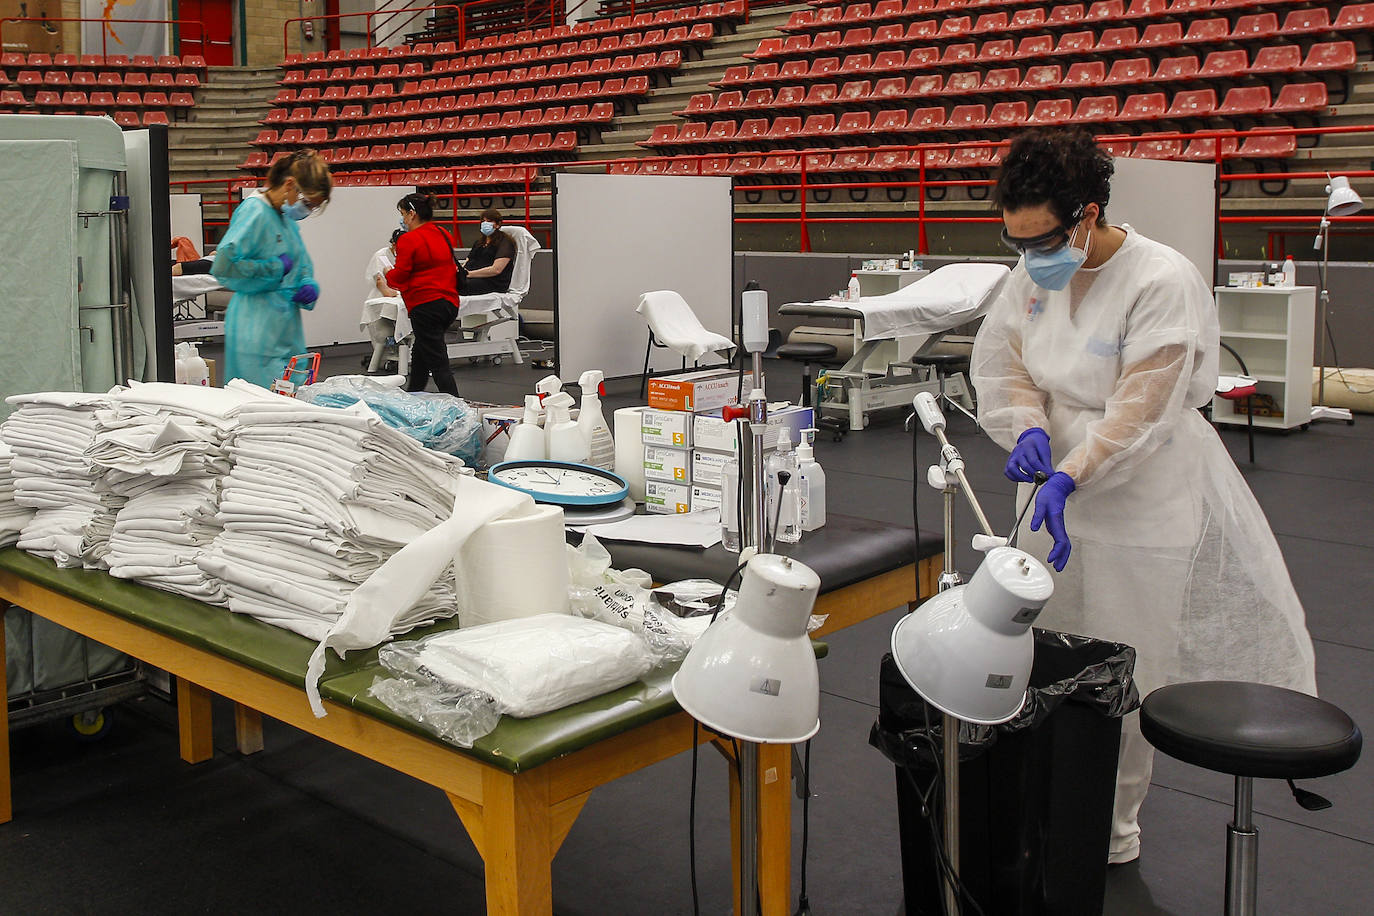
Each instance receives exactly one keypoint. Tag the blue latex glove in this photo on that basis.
(1049, 510)
(306, 295)
(1031, 454)
(287, 262)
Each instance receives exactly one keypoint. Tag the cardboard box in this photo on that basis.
(707, 389)
(667, 428)
(670, 465)
(214, 378)
(711, 433)
(707, 467)
(666, 498)
(705, 498)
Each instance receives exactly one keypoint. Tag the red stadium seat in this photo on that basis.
(784, 128)
(124, 100)
(1255, 27)
(1095, 109)
(1245, 100)
(856, 38)
(1224, 64)
(1086, 73)
(1066, 14)
(180, 100)
(1157, 149)
(1051, 111)
(662, 135)
(1000, 49)
(1008, 115)
(955, 26)
(927, 84)
(1106, 11)
(963, 83)
(130, 119)
(699, 102)
(990, 22)
(1118, 39)
(1005, 80)
(818, 125)
(855, 63)
(925, 29)
(1045, 75)
(1207, 31)
(823, 66)
(1146, 106)
(752, 129)
(956, 54)
(728, 101)
(30, 78)
(1330, 55)
(75, 99)
(1357, 16)
(721, 132)
(152, 99)
(1161, 35)
(1295, 97)
(1176, 68)
(890, 160)
(972, 157)
(1074, 43)
(1267, 148)
(733, 75)
(920, 58)
(1032, 17)
(967, 117)
(891, 121)
(788, 96)
(1185, 7)
(56, 78)
(154, 117)
(855, 91)
(854, 122)
(758, 98)
(924, 119)
(293, 136)
(1306, 22)
(100, 99)
(1193, 103)
(1133, 70)
(1142, 9)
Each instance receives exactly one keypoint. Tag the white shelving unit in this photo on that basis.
(1271, 329)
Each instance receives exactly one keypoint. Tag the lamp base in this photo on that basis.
(1322, 412)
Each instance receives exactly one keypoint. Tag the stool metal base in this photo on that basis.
(1242, 853)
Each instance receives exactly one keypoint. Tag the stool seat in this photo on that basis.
(807, 351)
(943, 360)
(1250, 730)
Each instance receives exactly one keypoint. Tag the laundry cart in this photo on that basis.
(53, 673)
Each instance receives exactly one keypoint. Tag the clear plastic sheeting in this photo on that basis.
(461, 682)
(437, 421)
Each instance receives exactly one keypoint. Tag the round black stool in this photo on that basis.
(1249, 731)
(806, 354)
(943, 364)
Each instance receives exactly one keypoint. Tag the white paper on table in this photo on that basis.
(690, 529)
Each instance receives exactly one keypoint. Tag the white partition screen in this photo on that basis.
(1170, 202)
(617, 237)
(341, 241)
(187, 219)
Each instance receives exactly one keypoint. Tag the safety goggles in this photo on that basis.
(1045, 243)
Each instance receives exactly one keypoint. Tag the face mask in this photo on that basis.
(298, 210)
(1053, 270)
(488, 228)
(404, 227)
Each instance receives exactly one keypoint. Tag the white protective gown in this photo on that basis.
(383, 316)
(1171, 552)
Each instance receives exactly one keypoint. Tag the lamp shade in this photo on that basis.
(1341, 198)
(968, 650)
(752, 675)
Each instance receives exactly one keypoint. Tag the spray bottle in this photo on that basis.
(561, 435)
(191, 369)
(810, 484)
(527, 439)
(547, 386)
(783, 459)
(853, 290)
(592, 422)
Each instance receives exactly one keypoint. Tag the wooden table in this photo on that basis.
(517, 792)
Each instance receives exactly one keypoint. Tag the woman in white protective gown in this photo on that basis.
(1090, 368)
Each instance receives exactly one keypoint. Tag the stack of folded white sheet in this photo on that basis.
(49, 433)
(164, 447)
(317, 500)
(13, 517)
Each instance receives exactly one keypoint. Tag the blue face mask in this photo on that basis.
(488, 228)
(404, 227)
(1053, 270)
(297, 211)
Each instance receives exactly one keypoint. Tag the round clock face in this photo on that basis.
(561, 483)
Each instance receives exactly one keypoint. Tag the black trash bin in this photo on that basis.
(1035, 793)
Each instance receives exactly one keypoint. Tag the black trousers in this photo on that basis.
(429, 353)
(476, 286)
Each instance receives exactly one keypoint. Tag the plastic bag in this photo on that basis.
(459, 683)
(438, 421)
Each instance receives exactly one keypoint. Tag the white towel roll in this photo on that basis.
(512, 568)
(629, 449)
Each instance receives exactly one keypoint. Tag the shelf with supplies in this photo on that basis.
(1272, 330)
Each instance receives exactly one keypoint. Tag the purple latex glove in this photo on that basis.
(1049, 510)
(286, 263)
(1031, 454)
(306, 295)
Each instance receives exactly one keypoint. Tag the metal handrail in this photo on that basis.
(367, 14)
(107, 23)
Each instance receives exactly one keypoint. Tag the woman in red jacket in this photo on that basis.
(428, 281)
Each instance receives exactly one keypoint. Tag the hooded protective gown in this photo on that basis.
(262, 330)
(1171, 552)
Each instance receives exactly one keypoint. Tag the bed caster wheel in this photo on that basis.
(93, 724)
(496, 360)
(473, 360)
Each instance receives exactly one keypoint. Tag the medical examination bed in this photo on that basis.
(519, 789)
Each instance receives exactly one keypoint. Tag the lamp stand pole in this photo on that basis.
(1319, 410)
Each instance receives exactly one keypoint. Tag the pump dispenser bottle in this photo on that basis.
(810, 484)
(784, 518)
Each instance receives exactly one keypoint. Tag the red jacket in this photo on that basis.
(424, 268)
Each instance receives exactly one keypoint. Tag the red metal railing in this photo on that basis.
(106, 23)
(807, 182)
(369, 15)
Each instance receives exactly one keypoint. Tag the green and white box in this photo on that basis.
(666, 428)
(666, 498)
(670, 465)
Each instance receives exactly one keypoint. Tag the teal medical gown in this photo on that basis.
(262, 330)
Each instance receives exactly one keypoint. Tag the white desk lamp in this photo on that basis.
(753, 676)
(968, 650)
(1341, 200)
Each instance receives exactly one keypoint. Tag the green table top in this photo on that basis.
(515, 745)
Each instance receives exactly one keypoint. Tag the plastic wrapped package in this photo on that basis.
(459, 683)
(438, 421)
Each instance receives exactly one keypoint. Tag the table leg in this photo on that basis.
(6, 811)
(775, 828)
(247, 729)
(517, 847)
(195, 724)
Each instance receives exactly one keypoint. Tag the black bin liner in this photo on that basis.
(1035, 793)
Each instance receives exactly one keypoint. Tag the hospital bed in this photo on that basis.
(188, 299)
(894, 331)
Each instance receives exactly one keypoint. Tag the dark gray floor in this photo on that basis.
(122, 826)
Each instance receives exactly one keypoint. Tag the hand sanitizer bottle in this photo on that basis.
(810, 484)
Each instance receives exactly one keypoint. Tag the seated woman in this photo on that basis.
(380, 308)
(491, 262)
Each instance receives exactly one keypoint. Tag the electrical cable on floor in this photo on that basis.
(1336, 369)
(692, 819)
(803, 904)
(946, 870)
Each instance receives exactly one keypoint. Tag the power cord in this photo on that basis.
(803, 904)
(692, 819)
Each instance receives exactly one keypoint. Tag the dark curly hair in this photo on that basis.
(1062, 167)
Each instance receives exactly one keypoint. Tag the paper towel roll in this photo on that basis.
(629, 449)
(513, 567)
